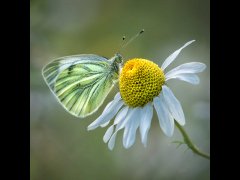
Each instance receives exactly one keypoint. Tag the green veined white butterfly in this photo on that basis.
(82, 82)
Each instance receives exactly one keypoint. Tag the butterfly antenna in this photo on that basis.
(123, 45)
(134, 37)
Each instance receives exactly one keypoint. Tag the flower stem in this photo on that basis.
(189, 143)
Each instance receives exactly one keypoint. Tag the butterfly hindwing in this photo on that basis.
(81, 82)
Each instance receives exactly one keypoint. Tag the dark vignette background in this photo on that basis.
(61, 147)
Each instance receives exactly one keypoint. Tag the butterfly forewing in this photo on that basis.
(54, 68)
(81, 82)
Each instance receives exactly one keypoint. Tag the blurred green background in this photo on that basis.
(61, 146)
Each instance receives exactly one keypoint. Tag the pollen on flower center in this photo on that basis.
(140, 81)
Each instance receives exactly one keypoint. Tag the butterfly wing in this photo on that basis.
(80, 82)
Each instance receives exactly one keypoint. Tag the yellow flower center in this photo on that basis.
(140, 81)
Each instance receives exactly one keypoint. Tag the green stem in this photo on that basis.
(189, 143)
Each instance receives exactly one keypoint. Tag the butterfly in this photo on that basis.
(82, 82)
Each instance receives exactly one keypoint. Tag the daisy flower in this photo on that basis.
(142, 86)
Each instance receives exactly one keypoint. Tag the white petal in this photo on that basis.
(105, 124)
(173, 105)
(111, 104)
(172, 57)
(108, 134)
(192, 67)
(190, 78)
(121, 115)
(109, 108)
(166, 121)
(120, 125)
(107, 116)
(128, 117)
(111, 142)
(129, 134)
(146, 118)
(117, 96)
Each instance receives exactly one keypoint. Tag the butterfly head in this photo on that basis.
(116, 62)
(118, 58)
